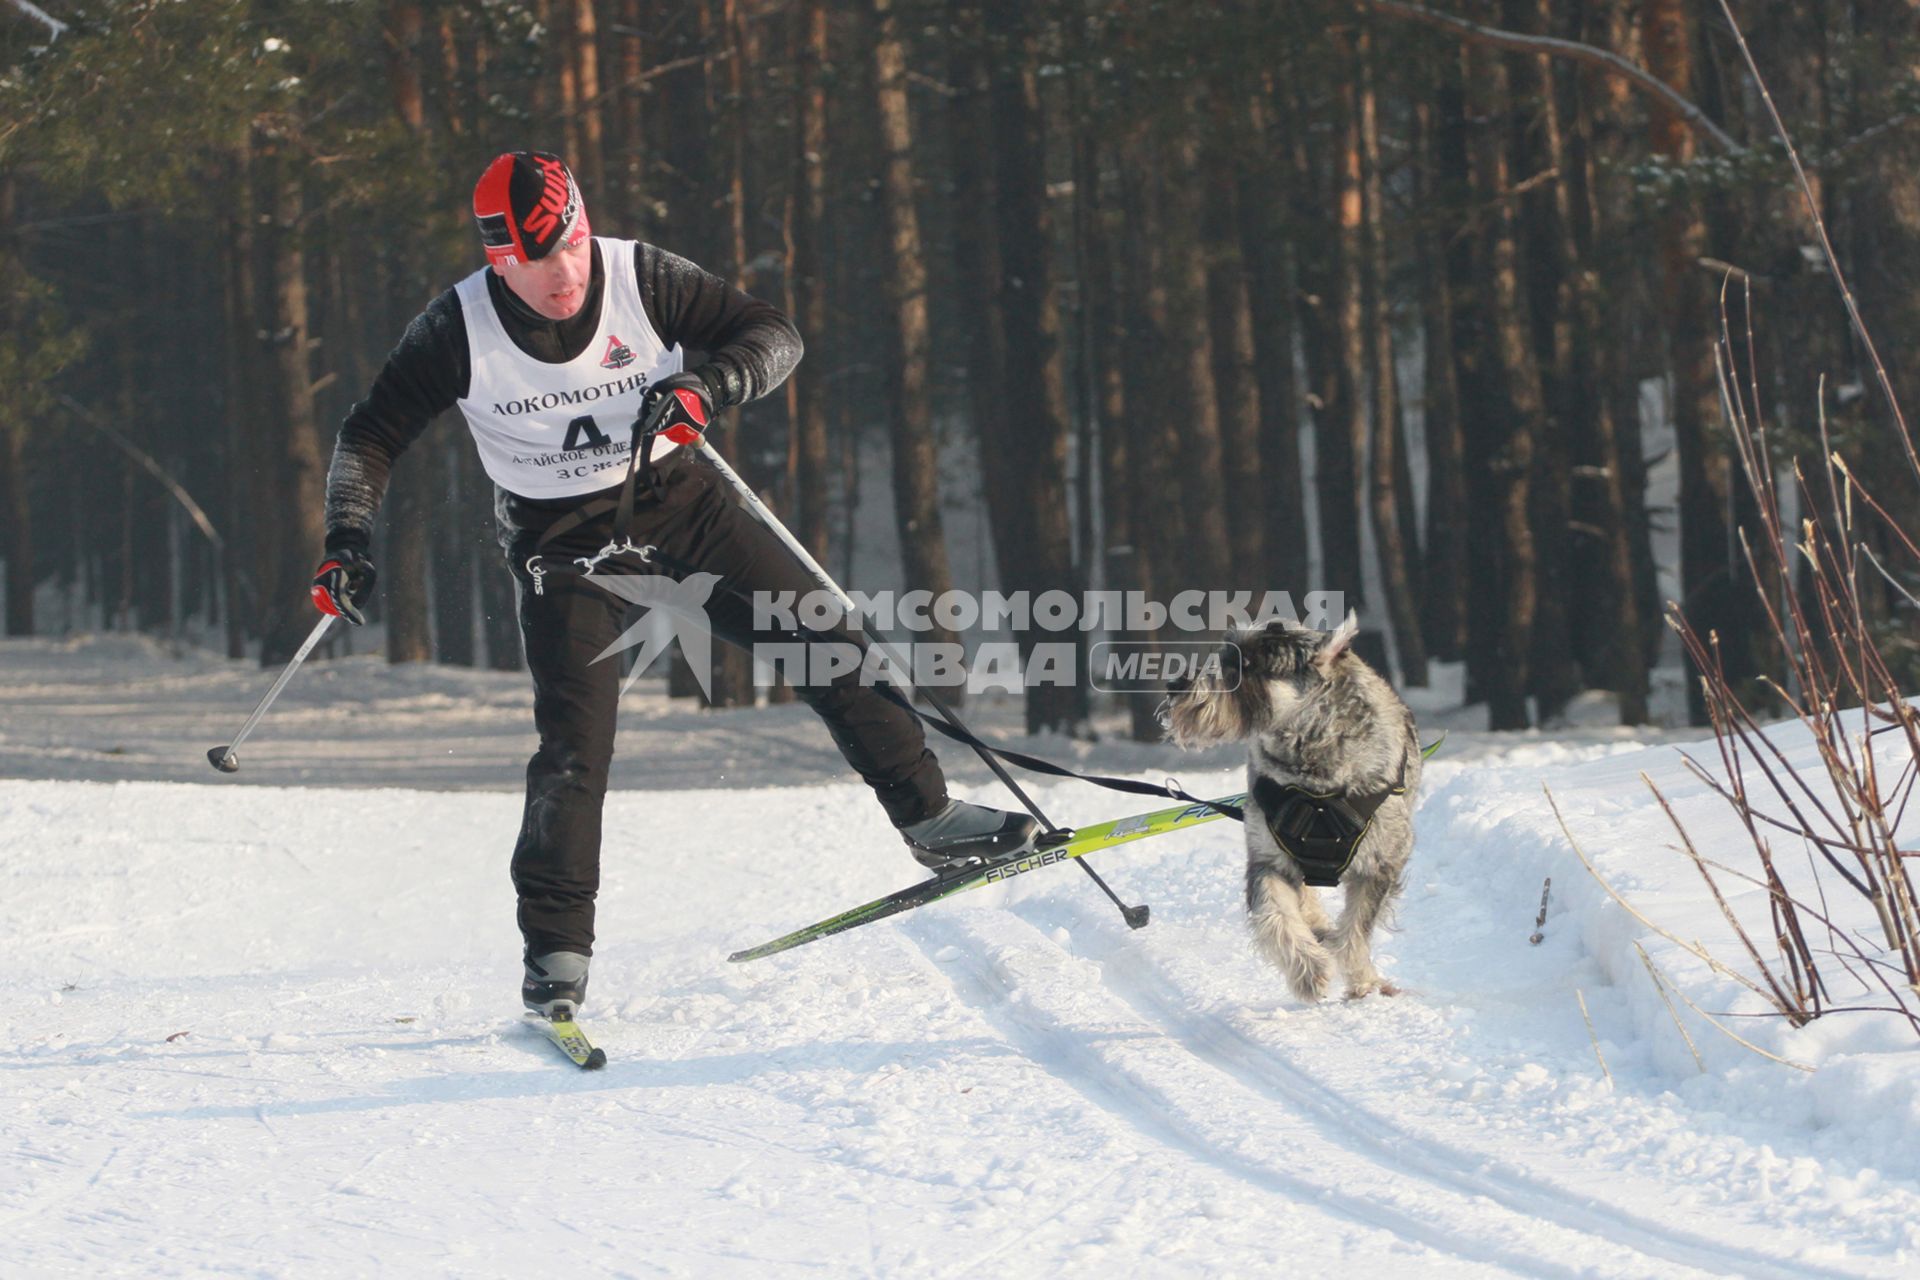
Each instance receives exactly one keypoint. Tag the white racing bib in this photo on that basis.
(560, 430)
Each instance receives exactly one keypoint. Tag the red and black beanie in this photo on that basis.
(528, 205)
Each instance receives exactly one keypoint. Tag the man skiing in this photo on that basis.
(552, 352)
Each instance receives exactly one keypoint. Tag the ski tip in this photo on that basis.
(567, 1036)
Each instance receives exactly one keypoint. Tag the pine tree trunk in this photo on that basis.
(1153, 436)
(150, 570)
(16, 518)
(976, 274)
(626, 170)
(1608, 503)
(401, 27)
(1237, 393)
(688, 190)
(1707, 570)
(916, 457)
(16, 524)
(1443, 611)
(1538, 141)
(1390, 537)
(683, 139)
(1034, 422)
(406, 606)
(245, 601)
(811, 463)
(1481, 398)
(457, 76)
(590, 157)
(1095, 224)
(555, 18)
(1271, 301)
(1343, 434)
(499, 610)
(1505, 444)
(732, 679)
(976, 254)
(1884, 249)
(300, 470)
(1083, 166)
(500, 622)
(1189, 356)
(738, 113)
(127, 553)
(453, 585)
(1098, 228)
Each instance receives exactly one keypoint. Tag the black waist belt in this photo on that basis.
(1319, 832)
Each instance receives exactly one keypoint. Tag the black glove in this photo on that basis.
(343, 582)
(679, 407)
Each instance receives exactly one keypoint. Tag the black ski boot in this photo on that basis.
(965, 833)
(556, 984)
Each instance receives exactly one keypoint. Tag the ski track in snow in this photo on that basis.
(1129, 1073)
(1349, 1124)
(1170, 1074)
(248, 1039)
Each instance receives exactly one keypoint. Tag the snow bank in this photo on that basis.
(1862, 1103)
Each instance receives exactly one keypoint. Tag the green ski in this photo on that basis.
(570, 1040)
(1058, 847)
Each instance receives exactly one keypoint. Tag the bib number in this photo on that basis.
(583, 433)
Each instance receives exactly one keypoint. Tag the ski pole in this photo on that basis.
(1135, 916)
(222, 758)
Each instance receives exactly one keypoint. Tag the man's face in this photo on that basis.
(556, 285)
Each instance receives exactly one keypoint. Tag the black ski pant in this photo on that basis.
(699, 525)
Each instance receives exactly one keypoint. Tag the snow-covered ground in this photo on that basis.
(267, 1024)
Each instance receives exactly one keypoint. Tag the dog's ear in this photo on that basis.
(1337, 644)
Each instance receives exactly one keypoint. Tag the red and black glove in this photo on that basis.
(679, 407)
(343, 582)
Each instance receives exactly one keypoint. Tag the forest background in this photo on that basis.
(1356, 295)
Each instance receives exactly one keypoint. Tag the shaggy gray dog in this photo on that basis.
(1331, 772)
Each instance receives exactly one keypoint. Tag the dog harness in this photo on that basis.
(1320, 832)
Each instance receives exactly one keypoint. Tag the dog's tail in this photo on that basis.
(1281, 932)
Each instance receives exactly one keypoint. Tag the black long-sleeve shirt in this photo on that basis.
(750, 349)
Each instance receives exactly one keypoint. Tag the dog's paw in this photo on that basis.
(1373, 986)
(1310, 976)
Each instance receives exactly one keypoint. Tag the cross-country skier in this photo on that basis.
(551, 352)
